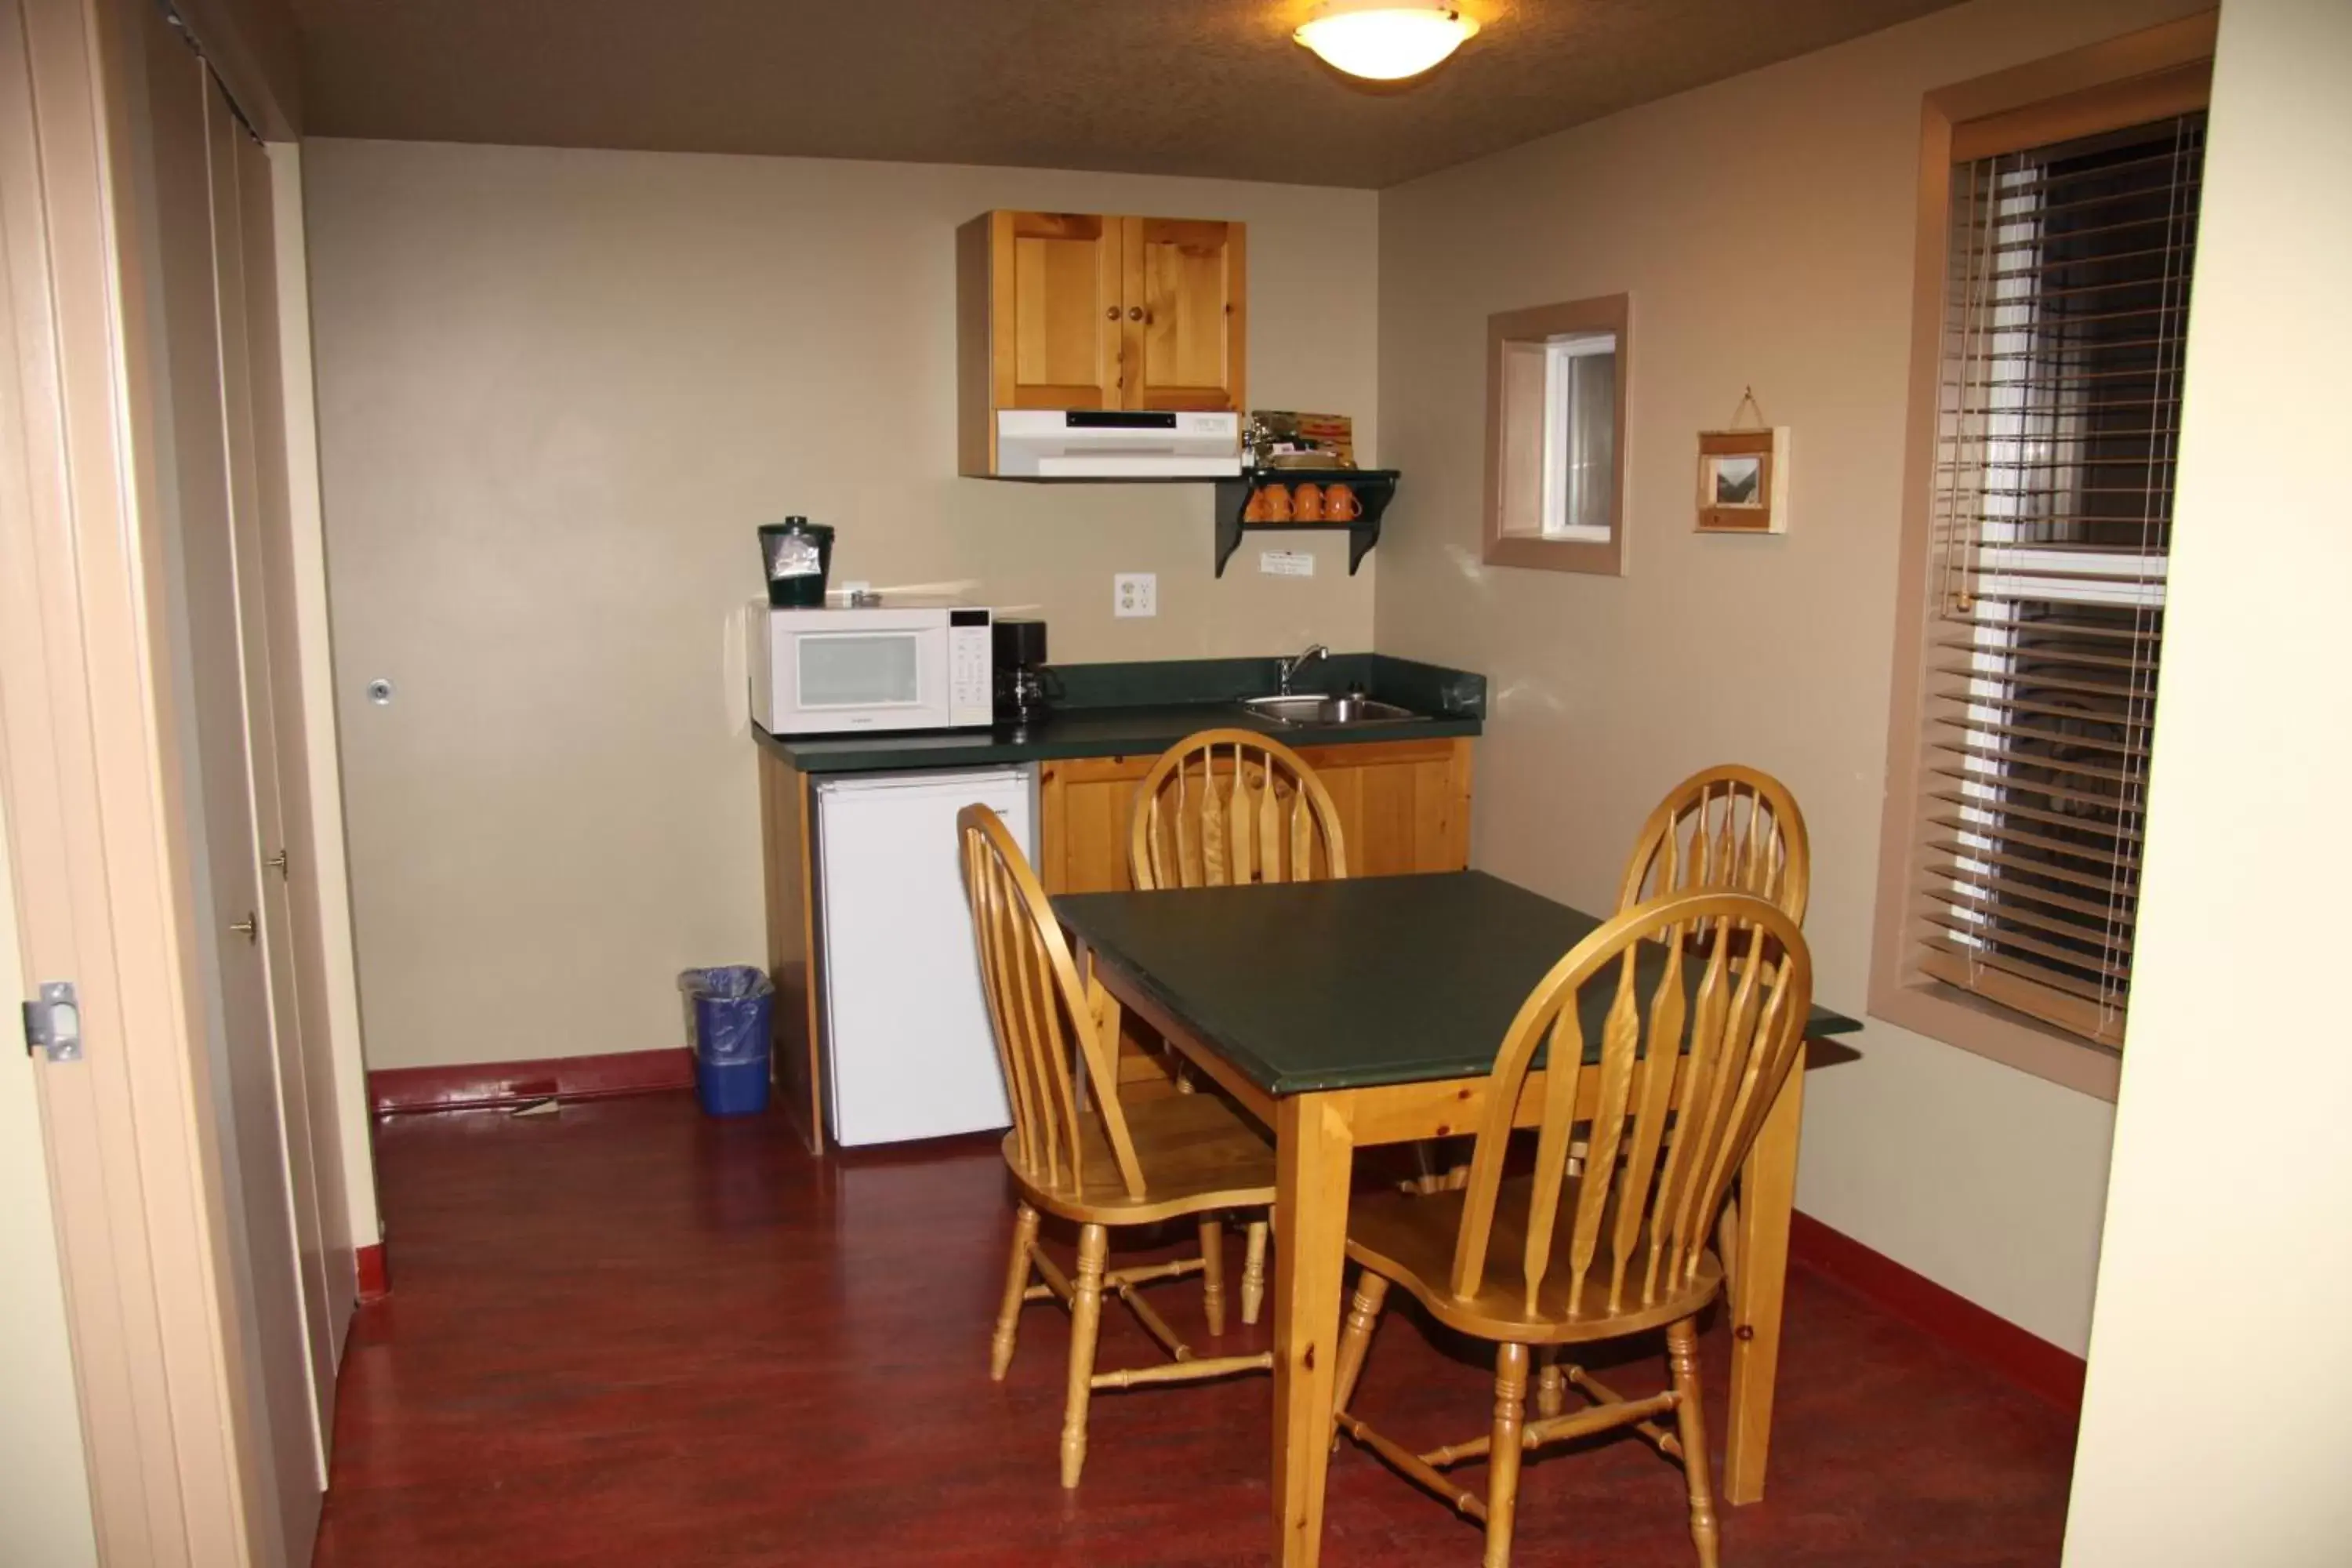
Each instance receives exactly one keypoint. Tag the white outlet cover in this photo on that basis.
(1285, 562)
(1135, 594)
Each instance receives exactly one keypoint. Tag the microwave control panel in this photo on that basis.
(971, 679)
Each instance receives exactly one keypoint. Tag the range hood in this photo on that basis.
(1117, 443)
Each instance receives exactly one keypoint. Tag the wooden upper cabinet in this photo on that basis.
(1057, 296)
(1181, 284)
(1083, 310)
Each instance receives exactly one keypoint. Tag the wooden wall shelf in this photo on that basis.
(1374, 487)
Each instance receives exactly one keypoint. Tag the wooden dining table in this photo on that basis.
(1351, 1014)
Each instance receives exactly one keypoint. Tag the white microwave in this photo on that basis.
(845, 669)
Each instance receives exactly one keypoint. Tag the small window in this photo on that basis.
(1556, 450)
(1580, 438)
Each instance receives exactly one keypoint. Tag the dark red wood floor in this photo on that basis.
(629, 1335)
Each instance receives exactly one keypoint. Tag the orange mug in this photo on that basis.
(1307, 504)
(1340, 505)
(1277, 502)
(1254, 510)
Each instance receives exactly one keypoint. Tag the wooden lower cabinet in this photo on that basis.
(1404, 806)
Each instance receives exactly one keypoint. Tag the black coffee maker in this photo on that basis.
(1023, 685)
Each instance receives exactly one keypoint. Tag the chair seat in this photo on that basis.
(1197, 1155)
(1411, 1240)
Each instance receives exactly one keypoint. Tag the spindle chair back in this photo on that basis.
(1227, 807)
(1727, 828)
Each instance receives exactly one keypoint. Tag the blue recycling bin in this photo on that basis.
(732, 1008)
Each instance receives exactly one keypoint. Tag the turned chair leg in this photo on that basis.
(1253, 1272)
(1356, 1342)
(1086, 1320)
(1212, 1273)
(1552, 1384)
(1017, 1281)
(1503, 1455)
(1682, 1361)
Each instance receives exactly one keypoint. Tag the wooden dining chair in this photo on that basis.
(1726, 828)
(1558, 1257)
(1077, 1153)
(1227, 806)
(1729, 828)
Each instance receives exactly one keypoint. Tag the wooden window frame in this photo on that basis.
(1512, 419)
(2148, 75)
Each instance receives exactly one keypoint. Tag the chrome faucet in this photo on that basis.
(1285, 668)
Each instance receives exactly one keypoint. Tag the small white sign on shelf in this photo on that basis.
(1287, 563)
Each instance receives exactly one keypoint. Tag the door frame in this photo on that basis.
(90, 764)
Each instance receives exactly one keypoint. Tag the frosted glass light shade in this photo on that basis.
(1382, 42)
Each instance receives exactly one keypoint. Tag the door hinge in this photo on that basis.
(53, 1024)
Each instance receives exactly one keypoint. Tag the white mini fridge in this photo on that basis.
(908, 1049)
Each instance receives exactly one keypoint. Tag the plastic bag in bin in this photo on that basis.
(728, 1012)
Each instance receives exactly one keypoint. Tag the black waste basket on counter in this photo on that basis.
(798, 556)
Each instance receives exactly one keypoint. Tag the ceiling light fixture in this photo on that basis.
(1381, 40)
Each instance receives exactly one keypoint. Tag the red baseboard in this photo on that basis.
(375, 1273)
(391, 1091)
(2022, 1357)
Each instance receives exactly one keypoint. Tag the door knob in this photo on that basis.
(277, 863)
(1111, 314)
(248, 927)
(1135, 312)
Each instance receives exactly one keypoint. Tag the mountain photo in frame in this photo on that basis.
(1743, 480)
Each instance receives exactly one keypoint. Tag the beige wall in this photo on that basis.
(1764, 228)
(556, 391)
(44, 1484)
(2232, 1174)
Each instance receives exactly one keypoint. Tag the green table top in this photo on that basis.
(1377, 979)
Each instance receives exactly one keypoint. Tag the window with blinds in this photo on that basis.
(2066, 311)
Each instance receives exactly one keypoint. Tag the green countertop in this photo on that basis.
(1123, 710)
(1377, 979)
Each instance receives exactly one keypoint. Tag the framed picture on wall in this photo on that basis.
(1743, 480)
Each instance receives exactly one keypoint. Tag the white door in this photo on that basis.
(910, 1052)
(205, 426)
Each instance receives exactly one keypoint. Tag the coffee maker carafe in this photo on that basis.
(1023, 685)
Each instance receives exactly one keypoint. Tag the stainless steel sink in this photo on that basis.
(1312, 708)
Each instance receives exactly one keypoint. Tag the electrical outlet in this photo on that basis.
(1135, 593)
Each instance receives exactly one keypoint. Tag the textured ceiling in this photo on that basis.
(1174, 86)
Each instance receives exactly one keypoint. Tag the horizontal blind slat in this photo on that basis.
(2010, 832)
(2100, 743)
(1969, 913)
(2057, 955)
(2096, 915)
(2097, 881)
(2122, 828)
(2010, 785)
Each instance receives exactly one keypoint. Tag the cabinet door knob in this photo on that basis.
(248, 927)
(1135, 312)
(1111, 314)
(277, 863)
